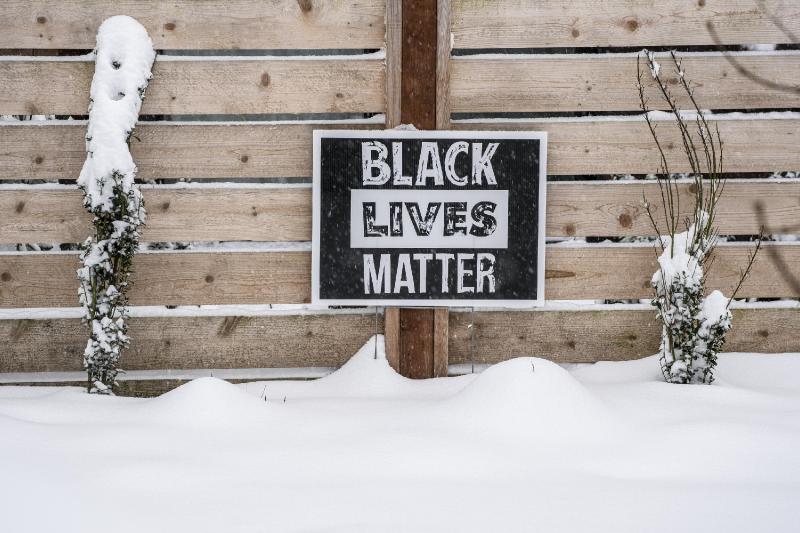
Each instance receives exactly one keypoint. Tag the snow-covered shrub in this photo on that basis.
(123, 60)
(693, 324)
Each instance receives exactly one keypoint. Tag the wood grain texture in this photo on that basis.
(444, 48)
(603, 208)
(626, 147)
(284, 214)
(555, 23)
(441, 341)
(204, 86)
(559, 83)
(418, 87)
(329, 340)
(165, 278)
(169, 150)
(595, 209)
(187, 24)
(608, 335)
(391, 329)
(394, 61)
(196, 278)
(242, 150)
(323, 340)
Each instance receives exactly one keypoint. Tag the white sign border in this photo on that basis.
(430, 134)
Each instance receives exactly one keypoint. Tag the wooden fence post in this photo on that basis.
(416, 338)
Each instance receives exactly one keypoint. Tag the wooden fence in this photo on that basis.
(239, 191)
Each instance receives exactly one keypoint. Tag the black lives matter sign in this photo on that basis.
(428, 218)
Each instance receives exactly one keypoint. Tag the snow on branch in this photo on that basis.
(123, 60)
(693, 325)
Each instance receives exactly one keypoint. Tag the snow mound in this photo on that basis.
(368, 371)
(367, 374)
(206, 401)
(533, 397)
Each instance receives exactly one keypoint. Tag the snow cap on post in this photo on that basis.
(123, 60)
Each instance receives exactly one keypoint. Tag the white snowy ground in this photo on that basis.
(524, 446)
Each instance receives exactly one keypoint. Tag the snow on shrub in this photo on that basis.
(123, 60)
(693, 325)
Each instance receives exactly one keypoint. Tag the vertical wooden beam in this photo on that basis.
(441, 340)
(416, 339)
(394, 65)
(443, 50)
(391, 335)
(418, 91)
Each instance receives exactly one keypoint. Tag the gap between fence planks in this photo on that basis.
(619, 23)
(283, 277)
(188, 24)
(264, 150)
(202, 85)
(56, 345)
(607, 82)
(596, 208)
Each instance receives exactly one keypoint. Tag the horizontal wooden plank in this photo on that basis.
(607, 82)
(555, 23)
(188, 278)
(188, 24)
(56, 345)
(599, 209)
(169, 150)
(618, 208)
(241, 150)
(280, 341)
(203, 86)
(626, 146)
(608, 335)
(208, 214)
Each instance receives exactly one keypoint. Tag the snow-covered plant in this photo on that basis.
(693, 324)
(123, 60)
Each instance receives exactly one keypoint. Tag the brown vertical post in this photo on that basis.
(416, 339)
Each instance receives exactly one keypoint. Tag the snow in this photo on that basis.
(160, 311)
(525, 446)
(123, 58)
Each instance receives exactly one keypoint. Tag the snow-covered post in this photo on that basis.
(123, 60)
(693, 325)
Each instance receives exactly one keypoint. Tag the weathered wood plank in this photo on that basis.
(602, 208)
(444, 49)
(626, 147)
(204, 86)
(555, 23)
(242, 150)
(596, 209)
(208, 214)
(188, 24)
(280, 341)
(607, 335)
(394, 62)
(169, 150)
(189, 278)
(43, 280)
(559, 83)
(329, 340)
